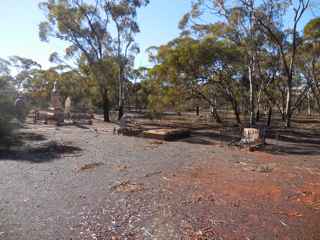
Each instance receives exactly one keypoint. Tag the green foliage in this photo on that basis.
(85, 25)
(71, 83)
(244, 60)
(25, 69)
(7, 108)
(192, 70)
(312, 29)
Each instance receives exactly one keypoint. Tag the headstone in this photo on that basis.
(67, 107)
(56, 104)
(123, 121)
(55, 98)
(20, 108)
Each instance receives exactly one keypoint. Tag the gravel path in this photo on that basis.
(86, 183)
(47, 197)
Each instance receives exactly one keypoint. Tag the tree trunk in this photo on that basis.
(309, 105)
(121, 92)
(269, 116)
(236, 112)
(197, 110)
(215, 114)
(235, 106)
(136, 93)
(288, 113)
(316, 96)
(258, 107)
(106, 106)
(252, 105)
(258, 114)
(120, 113)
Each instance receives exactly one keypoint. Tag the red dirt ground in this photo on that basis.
(248, 202)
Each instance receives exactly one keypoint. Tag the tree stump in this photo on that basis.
(251, 135)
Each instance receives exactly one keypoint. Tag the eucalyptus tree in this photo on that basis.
(238, 25)
(287, 40)
(72, 83)
(309, 57)
(7, 96)
(206, 69)
(181, 64)
(4, 67)
(135, 77)
(25, 68)
(123, 14)
(256, 26)
(88, 27)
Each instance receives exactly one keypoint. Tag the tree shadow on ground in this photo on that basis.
(30, 136)
(211, 138)
(284, 149)
(305, 120)
(280, 141)
(36, 153)
(81, 126)
(18, 139)
(295, 136)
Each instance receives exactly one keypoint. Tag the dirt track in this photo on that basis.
(86, 183)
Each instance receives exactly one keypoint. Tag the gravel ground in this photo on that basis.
(86, 183)
(47, 196)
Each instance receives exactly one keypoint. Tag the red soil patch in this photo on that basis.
(248, 204)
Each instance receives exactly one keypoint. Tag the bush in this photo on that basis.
(7, 117)
(7, 109)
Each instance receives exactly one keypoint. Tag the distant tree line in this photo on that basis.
(244, 57)
(254, 57)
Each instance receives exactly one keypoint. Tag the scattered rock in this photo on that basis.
(156, 142)
(264, 169)
(290, 214)
(153, 145)
(91, 166)
(127, 186)
(153, 174)
(120, 168)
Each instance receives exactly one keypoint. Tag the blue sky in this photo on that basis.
(19, 31)
(20, 19)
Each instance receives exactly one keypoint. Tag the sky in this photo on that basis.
(20, 19)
